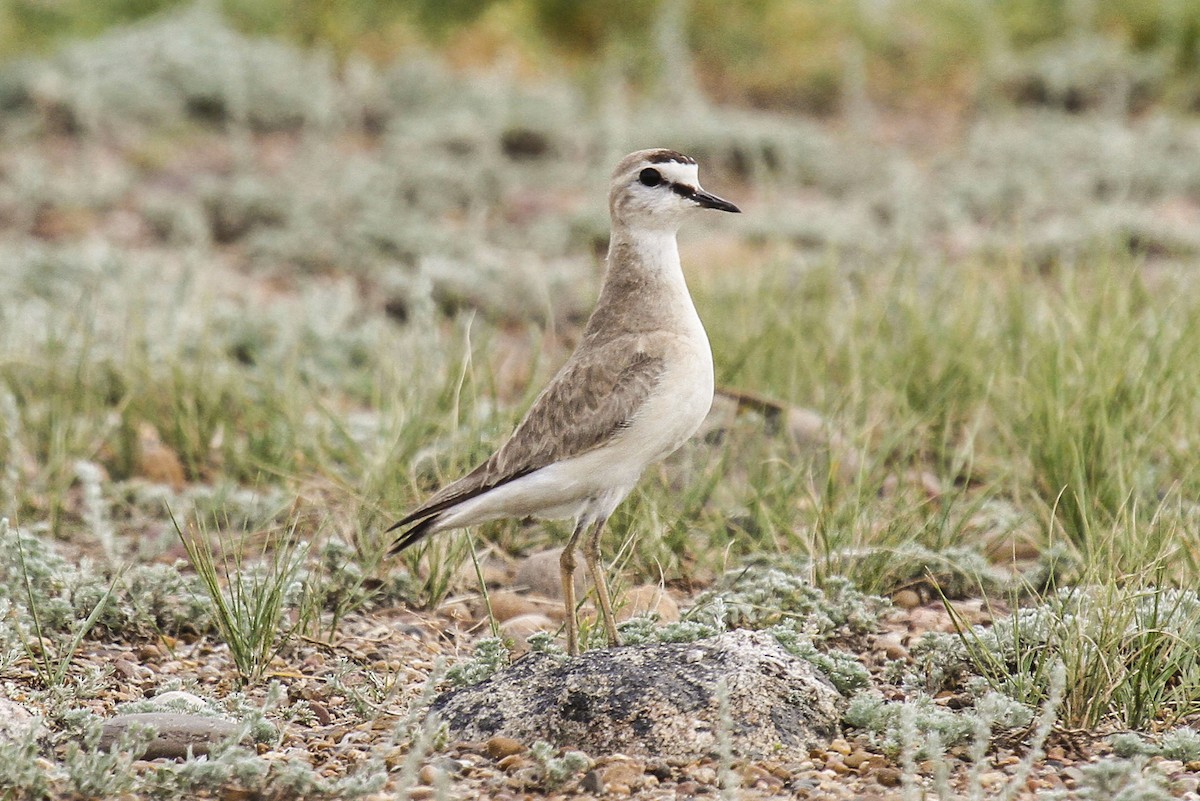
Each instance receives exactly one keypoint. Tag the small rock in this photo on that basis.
(753, 774)
(992, 778)
(178, 699)
(892, 644)
(906, 599)
(495, 574)
(872, 763)
(499, 747)
(155, 461)
(649, 598)
(840, 746)
(175, 733)
(506, 605)
(512, 763)
(320, 712)
(540, 573)
(924, 619)
(519, 628)
(887, 776)
(592, 783)
(428, 774)
(1185, 784)
(855, 759)
(458, 611)
(16, 722)
(705, 774)
(1011, 547)
(625, 775)
(835, 763)
(125, 669)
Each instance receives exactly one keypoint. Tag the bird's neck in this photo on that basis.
(643, 285)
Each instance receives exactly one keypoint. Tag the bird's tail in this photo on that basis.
(414, 535)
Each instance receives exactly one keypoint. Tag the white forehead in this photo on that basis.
(679, 173)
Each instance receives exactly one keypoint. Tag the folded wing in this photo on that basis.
(590, 400)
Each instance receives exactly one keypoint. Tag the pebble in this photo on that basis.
(753, 774)
(506, 605)
(649, 598)
(320, 712)
(512, 762)
(892, 645)
(840, 746)
(992, 778)
(887, 776)
(428, 774)
(622, 777)
(540, 573)
(856, 758)
(1185, 784)
(592, 783)
(179, 698)
(836, 764)
(129, 671)
(499, 747)
(925, 619)
(521, 627)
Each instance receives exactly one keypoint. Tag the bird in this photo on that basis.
(638, 385)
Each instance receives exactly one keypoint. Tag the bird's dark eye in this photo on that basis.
(650, 177)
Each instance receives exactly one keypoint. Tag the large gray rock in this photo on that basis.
(656, 701)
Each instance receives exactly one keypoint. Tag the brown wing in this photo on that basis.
(591, 399)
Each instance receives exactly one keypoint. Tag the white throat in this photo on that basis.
(658, 249)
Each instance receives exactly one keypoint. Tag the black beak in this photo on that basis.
(713, 202)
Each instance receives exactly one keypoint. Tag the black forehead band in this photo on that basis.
(664, 156)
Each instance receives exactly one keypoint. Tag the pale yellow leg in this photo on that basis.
(591, 555)
(567, 564)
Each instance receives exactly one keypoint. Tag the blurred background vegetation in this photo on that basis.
(329, 250)
(781, 54)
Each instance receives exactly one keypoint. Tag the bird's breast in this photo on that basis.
(680, 402)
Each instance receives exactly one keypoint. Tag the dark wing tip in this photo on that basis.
(412, 536)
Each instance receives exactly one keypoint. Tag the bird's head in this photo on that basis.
(658, 189)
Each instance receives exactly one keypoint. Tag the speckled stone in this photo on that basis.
(658, 700)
